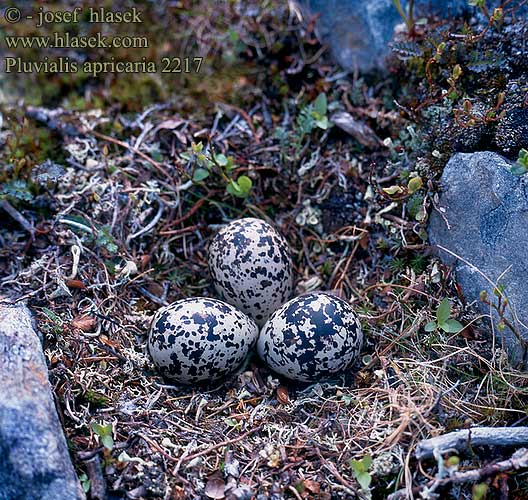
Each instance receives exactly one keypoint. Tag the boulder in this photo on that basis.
(481, 220)
(359, 31)
(34, 459)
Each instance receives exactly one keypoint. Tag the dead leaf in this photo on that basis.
(177, 493)
(169, 124)
(215, 488)
(180, 136)
(358, 130)
(144, 261)
(312, 486)
(75, 284)
(282, 395)
(364, 242)
(109, 342)
(84, 323)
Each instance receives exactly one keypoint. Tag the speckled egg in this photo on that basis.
(311, 337)
(251, 267)
(199, 339)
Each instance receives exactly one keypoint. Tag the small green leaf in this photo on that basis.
(452, 326)
(110, 266)
(393, 190)
(414, 185)
(232, 422)
(480, 491)
(98, 429)
(347, 399)
(320, 105)
(108, 442)
(364, 479)
(105, 433)
(233, 36)
(523, 157)
(322, 123)
(230, 166)
(498, 14)
(518, 169)
(221, 160)
(420, 215)
(85, 482)
(357, 466)
(498, 290)
(104, 429)
(234, 189)
(240, 187)
(244, 183)
(362, 465)
(443, 312)
(200, 174)
(431, 326)
(360, 470)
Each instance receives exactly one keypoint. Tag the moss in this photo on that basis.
(27, 145)
(96, 398)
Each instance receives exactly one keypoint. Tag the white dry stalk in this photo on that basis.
(76, 254)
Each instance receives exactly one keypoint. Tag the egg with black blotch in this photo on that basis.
(312, 337)
(251, 267)
(200, 339)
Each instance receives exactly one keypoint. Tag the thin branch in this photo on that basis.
(479, 436)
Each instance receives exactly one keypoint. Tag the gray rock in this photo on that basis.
(359, 31)
(484, 224)
(34, 459)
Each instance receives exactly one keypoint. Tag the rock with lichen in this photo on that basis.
(359, 32)
(34, 459)
(480, 229)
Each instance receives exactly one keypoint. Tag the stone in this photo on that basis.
(359, 31)
(482, 219)
(34, 459)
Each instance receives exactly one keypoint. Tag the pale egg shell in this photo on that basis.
(198, 339)
(251, 267)
(311, 338)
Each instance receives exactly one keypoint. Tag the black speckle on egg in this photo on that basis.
(251, 267)
(198, 339)
(310, 338)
